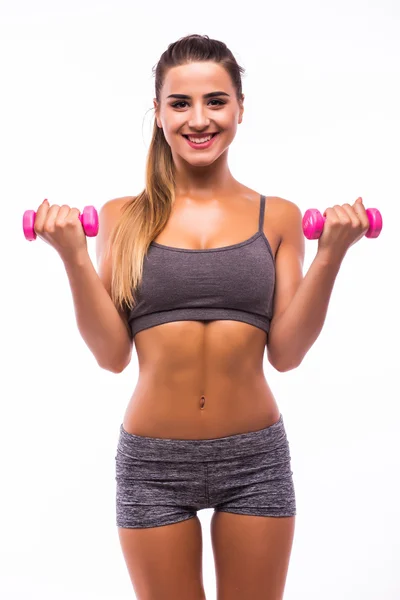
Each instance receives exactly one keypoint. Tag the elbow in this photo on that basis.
(121, 367)
(113, 368)
(119, 364)
(116, 367)
(287, 367)
(282, 359)
(284, 365)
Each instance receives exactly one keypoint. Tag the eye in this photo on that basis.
(184, 102)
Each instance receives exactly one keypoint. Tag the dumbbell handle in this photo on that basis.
(313, 223)
(89, 219)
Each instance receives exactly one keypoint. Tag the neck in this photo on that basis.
(203, 182)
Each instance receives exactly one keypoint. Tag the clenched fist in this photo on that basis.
(61, 228)
(344, 226)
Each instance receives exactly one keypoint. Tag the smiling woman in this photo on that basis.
(194, 266)
(224, 104)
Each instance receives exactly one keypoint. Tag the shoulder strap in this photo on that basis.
(262, 210)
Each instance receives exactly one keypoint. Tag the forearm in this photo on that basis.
(298, 327)
(98, 320)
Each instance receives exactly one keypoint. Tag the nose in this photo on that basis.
(199, 119)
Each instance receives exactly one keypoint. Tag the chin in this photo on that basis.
(201, 162)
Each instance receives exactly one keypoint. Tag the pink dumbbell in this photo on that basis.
(89, 219)
(313, 223)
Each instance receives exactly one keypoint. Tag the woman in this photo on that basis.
(201, 273)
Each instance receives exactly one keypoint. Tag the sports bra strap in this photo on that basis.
(262, 210)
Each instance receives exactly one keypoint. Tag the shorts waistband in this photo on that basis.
(177, 450)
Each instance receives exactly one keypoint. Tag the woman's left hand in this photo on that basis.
(344, 226)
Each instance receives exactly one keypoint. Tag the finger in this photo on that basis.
(40, 217)
(51, 216)
(331, 215)
(62, 215)
(343, 214)
(359, 209)
(73, 214)
(352, 214)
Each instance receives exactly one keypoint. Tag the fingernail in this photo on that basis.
(46, 201)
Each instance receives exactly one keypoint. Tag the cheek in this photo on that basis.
(170, 133)
(172, 129)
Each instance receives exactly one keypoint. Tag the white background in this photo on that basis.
(321, 127)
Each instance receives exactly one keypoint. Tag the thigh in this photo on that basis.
(251, 555)
(165, 563)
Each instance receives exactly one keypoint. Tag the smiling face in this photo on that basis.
(201, 111)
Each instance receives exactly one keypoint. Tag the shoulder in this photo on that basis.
(112, 210)
(284, 216)
(109, 214)
(283, 207)
(117, 204)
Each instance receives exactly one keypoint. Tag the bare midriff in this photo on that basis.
(205, 379)
(200, 380)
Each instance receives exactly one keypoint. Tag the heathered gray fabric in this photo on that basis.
(160, 481)
(229, 283)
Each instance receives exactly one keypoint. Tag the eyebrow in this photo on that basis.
(209, 95)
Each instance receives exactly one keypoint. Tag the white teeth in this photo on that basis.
(200, 140)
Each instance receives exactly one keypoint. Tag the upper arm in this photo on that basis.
(289, 258)
(108, 216)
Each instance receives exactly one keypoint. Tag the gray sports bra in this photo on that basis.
(229, 283)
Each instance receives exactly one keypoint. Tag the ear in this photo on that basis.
(156, 112)
(241, 111)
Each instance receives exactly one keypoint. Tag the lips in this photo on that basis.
(198, 137)
(201, 145)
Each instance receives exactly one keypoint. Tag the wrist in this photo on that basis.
(328, 257)
(78, 259)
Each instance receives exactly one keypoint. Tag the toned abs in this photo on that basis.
(205, 379)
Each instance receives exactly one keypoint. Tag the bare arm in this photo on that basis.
(300, 304)
(99, 322)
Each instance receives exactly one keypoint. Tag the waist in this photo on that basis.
(191, 410)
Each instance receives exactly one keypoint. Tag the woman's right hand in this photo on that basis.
(344, 226)
(61, 228)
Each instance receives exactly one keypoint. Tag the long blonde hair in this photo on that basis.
(146, 215)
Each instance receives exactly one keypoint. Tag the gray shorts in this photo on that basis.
(163, 481)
